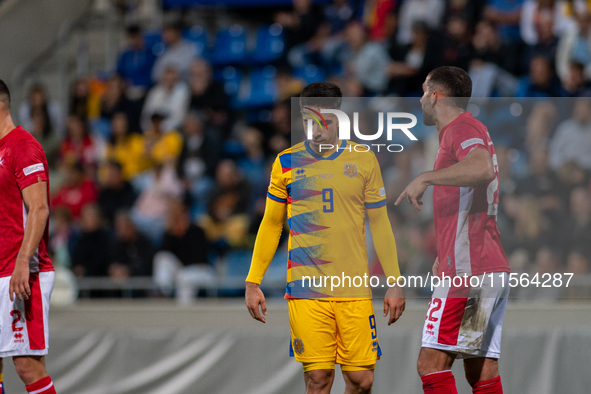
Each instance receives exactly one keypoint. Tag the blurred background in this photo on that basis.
(160, 121)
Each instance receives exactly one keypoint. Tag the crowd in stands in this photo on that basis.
(162, 168)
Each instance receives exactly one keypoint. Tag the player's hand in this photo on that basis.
(19, 281)
(414, 192)
(253, 298)
(436, 267)
(394, 302)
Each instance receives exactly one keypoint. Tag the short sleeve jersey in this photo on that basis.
(326, 199)
(468, 241)
(22, 163)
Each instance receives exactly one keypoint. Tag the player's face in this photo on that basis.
(322, 134)
(427, 105)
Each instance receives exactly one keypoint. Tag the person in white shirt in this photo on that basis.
(179, 53)
(572, 140)
(170, 97)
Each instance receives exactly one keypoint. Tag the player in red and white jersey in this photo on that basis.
(464, 319)
(26, 272)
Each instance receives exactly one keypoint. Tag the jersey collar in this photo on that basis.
(332, 156)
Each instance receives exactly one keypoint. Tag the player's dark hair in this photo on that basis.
(4, 94)
(455, 82)
(322, 95)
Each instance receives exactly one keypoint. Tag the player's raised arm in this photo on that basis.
(35, 199)
(476, 168)
(266, 243)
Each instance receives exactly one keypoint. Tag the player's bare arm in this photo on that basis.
(264, 249)
(475, 169)
(385, 245)
(35, 199)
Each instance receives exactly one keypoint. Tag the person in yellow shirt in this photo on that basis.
(126, 148)
(326, 194)
(162, 146)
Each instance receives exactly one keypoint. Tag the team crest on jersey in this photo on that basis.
(350, 170)
(298, 346)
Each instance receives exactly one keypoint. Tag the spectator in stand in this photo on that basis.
(114, 100)
(132, 252)
(170, 98)
(490, 48)
(41, 129)
(575, 232)
(469, 10)
(369, 60)
(543, 184)
(576, 83)
(77, 191)
(541, 82)
(578, 262)
(532, 229)
(575, 47)
(116, 193)
(413, 62)
(38, 103)
(225, 227)
(572, 139)
(61, 236)
(183, 259)
(536, 13)
(93, 249)
(546, 43)
(229, 179)
(277, 132)
(126, 148)
(80, 99)
(458, 49)
(428, 12)
(136, 62)
(547, 261)
(338, 14)
(378, 18)
(78, 146)
(162, 145)
(506, 15)
(301, 23)
(252, 164)
(205, 92)
(149, 211)
(179, 53)
(199, 157)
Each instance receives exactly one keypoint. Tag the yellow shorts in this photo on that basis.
(334, 332)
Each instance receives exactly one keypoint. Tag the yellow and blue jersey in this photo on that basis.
(326, 199)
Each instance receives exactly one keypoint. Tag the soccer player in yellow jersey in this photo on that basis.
(325, 187)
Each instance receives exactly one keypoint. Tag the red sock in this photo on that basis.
(42, 386)
(439, 383)
(492, 386)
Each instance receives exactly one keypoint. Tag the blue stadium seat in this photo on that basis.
(270, 44)
(153, 40)
(258, 90)
(310, 73)
(230, 46)
(198, 35)
(230, 77)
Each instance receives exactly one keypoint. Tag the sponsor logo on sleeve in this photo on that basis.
(472, 141)
(32, 169)
(382, 191)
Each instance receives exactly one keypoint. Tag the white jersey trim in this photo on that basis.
(462, 242)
